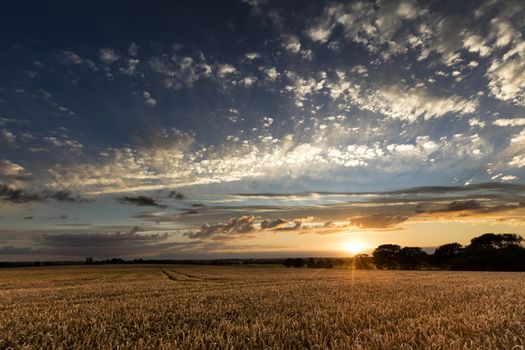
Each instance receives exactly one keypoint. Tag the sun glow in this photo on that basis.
(354, 247)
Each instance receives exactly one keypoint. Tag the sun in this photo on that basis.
(354, 246)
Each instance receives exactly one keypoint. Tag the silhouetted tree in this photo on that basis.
(288, 262)
(445, 254)
(310, 263)
(497, 252)
(298, 262)
(386, 256)
(489, 241)
(447, 251)
(411, 257)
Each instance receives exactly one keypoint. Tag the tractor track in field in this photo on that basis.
(179, 276)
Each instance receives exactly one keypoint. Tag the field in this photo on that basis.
(182, 307)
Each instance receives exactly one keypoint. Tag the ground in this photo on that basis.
(205, 307)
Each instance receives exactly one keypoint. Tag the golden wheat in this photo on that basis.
(178, 307)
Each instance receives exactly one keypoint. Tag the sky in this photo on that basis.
(258, 128)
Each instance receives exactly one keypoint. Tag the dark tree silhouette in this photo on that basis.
(494, 241)
(298, 262)
(411, 257)
(496, 252)
(288, 262)
(447, 251)
(386, 256)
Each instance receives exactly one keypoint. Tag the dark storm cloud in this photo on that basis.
(297, 225)
(63, 196)
(132, 243)
(235, 226)
(8, 194)
(10, 250)
(269, 224)
(176, 195)
(101, 239)
(19, 195)
(140, 201)
(451, 207)
(103, 245)
(470, 206)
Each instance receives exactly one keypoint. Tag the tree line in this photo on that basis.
(488, 252)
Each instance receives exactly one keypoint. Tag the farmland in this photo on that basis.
(168, 307)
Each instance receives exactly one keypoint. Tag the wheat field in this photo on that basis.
(184, 307)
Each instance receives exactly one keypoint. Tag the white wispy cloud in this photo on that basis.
(510, 122)
(291, 43)
(225, 69)
(180, 71)
(8, 137)
(8, 168)
(133, 49)
(148, 100)
(108, 56)
(252, 55)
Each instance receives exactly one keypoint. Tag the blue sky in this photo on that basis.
(107, 108)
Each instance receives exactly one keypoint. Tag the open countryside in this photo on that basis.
(215, 307)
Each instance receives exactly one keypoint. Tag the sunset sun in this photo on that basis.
(354, 247)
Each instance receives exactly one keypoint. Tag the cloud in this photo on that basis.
(252, 55)
(467, 207)
(148, 100)
(8, 138)
(139, 200)
(180, 71)
(131, 68)
(8, 194)
(378, 27)
(70, 58)
(509, 122)
(10, 250)
(108, 56)
(225, 69)
(507, 75)
(234, 227)
(270, 224)
(64, 142)
(10, 169)
(176, 195)
(291, 43)
(63, 196)
(378, 221)
(133, 243)
(19, 195)
(398, 101)
(168, 158)
(133, 49)
(451, 207)
(421, 193)
(249, 80)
